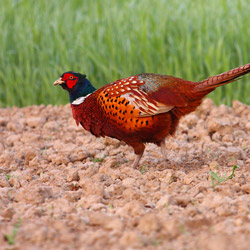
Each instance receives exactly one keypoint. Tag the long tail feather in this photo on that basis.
(213, 82)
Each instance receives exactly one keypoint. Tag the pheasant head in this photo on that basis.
(76, 84)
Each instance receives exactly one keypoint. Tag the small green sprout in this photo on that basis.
(43, 150)
(7, 176)
(99, 159)
(157, 242)
(166, 206)
(11, 237)
(144, 169)
(183, 229)
(214, 176)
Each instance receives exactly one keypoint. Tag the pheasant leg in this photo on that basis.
(163, 149)
(137, 159)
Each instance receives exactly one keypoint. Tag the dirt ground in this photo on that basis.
(62, 188)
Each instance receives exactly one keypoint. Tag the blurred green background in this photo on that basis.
(110, 39)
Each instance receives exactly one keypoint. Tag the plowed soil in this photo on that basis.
(62, 188)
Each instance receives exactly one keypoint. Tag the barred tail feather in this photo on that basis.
(213, 82)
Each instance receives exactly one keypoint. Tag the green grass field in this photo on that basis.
(109, 39)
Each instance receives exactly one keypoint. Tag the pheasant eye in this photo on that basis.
(71, 78)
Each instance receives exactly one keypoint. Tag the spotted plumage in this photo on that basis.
(141, 108)
(127, 106)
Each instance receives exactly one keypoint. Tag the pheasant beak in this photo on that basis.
(58, 81)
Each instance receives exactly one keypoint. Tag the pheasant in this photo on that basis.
(139, 109)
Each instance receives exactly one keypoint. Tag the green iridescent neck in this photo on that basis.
(81, 90)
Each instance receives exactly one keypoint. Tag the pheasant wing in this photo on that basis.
(125, 97)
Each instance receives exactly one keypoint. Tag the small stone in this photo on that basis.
(89, 201)
(114, 224)
(228, 138)
(223, 127)
(34, 195)
(81, 155)
(235, 152)
(52, 125)
(4, 181)
(216, 137)
(199, 196)
(128, 182)
(172, 228)
(97, 218)
(90, 187)
(14, 126)
(238, 222)
(64, 147)
(240, 134)
(60, 159)
(131, 239)
(153, 185)
(191, 120)
(110, 141)
(109, 191)
(248, 126)
(149, 223)
(35, 122)
(97, 206)
(214, 165)
(218, 242)
(8, 213)
(246, 188)
(34, 163)
(62, 206)
(192, 211)
(132, 208)
(212, 126)
(12, 140)
(89, 172)
(73, 196)
(131, 193)
(212, 201)
(236, 187)
(73, 175)
(111, 162)
(207, 105)
(3, 121)
(238, 107)
(30, 138)
(165, 201)
(29, 155)
(182, 200)
(14, 182)
(188, 179)
(223, 211)
(167, 176)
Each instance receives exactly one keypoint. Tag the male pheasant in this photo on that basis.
(141, 108)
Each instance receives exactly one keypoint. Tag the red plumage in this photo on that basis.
(141, 108)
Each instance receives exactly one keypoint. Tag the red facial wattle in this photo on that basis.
(70, 80)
